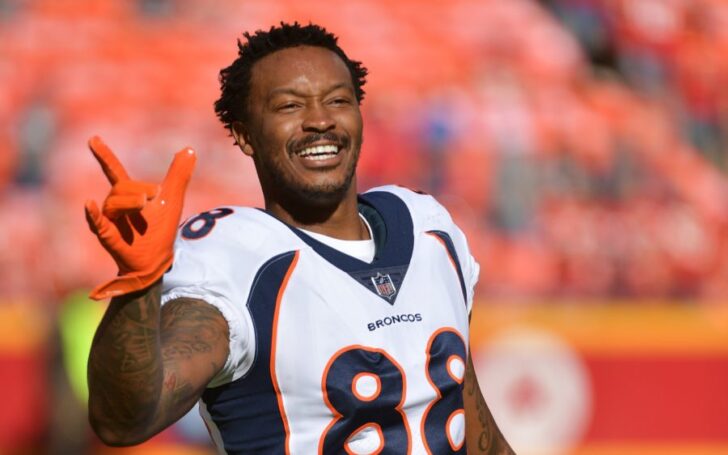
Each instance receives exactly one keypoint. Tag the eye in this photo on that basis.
(340, 101)
(287, 106)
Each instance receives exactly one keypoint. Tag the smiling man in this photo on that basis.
(330, 322)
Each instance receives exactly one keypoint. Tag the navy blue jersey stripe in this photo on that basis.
(246, 411)
(450, 247)
(393, 233)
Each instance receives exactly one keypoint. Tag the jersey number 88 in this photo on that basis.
(365, 388)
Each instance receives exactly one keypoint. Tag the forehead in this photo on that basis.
(305, 68)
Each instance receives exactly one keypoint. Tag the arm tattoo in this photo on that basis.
(189, 329)
(489, 440)
(124, 363)
(485, 438)
(148, 365)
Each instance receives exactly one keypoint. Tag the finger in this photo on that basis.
(116, 206)
(135, 187)
(179, 173)
(110, 164)
(96, 222)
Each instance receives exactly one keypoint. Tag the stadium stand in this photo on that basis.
(511, 123)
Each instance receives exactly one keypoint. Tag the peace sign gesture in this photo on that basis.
(139, 220)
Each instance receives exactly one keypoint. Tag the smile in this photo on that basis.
(319, 152)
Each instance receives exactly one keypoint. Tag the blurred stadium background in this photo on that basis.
(581, 144)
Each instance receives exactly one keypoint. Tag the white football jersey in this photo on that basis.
(329, 354)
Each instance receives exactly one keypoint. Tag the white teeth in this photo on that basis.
(319, 152)
(325, 156)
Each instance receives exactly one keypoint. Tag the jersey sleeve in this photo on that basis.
(468, 264)
(201, 270)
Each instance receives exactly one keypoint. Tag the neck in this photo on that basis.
(339, 220)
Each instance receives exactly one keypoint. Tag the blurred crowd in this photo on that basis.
(581, 144)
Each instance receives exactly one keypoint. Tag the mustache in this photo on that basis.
(302, 143)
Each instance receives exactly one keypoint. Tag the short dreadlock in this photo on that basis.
(235, 79)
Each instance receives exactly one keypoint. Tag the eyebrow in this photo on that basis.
(293, 91)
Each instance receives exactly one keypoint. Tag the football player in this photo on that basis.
(328, 322)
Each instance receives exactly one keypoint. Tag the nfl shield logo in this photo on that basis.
(384, 285)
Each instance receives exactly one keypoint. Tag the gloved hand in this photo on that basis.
(139, 220)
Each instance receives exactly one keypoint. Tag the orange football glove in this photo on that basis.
(139, 220)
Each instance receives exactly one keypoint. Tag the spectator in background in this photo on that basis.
(36, 132)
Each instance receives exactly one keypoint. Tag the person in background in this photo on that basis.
(331, 321)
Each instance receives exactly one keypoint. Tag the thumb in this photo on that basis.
(179, 173)
(98, 224)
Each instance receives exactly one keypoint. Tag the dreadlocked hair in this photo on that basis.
(235, 79)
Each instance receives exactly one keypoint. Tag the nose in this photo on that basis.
(318, 119)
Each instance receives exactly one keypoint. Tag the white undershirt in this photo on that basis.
(361, 249)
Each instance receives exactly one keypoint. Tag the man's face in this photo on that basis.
(304, 127)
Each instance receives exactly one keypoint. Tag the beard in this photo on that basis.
(311, 194)
(325, 194)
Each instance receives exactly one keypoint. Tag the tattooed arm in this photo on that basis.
(148, 366)
(481, 432)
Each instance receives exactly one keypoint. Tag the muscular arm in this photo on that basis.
(481, 432)
(149, 366)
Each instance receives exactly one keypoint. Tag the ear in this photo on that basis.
(241, 138)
